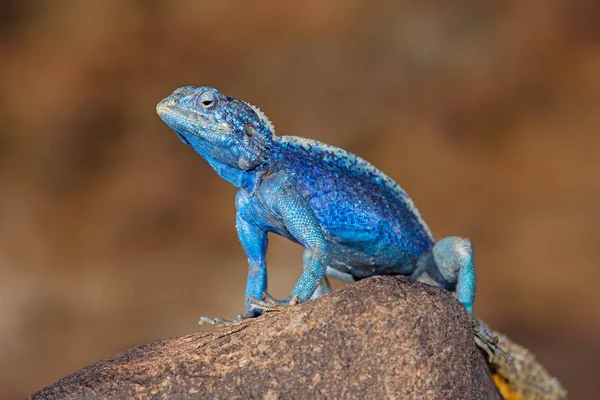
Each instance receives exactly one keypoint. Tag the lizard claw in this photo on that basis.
(270, 304)
(488, 342)
(221, 321)
(267, 305)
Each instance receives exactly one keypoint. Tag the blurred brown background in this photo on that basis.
(113, 233)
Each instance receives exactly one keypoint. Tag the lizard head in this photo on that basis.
(227, 132)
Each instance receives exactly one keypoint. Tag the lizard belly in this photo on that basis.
(364, 258)
(372, 240)
(372, 232)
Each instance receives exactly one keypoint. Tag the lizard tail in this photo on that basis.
(524, 378)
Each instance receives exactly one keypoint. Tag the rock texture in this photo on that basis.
(384, 337)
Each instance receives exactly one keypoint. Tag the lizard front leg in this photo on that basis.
(271, 304)
(301, 222)
(254, 241)
(324, 286)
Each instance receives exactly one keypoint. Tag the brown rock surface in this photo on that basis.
(384, 337)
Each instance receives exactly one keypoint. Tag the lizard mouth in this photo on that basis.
(187, 121)
(177, 119)
(184, 139)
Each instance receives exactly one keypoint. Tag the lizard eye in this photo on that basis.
(207, 99)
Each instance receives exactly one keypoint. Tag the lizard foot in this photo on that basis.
(270, 304)
(488, 342)
(221, 321)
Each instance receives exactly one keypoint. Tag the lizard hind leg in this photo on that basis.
(453, 259)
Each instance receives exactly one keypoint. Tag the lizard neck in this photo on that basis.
(206, 150)
(250, 182)
(232, 175)
(251, 179)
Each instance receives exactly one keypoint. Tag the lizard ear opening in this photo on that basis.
(261, 115)
(249, 130)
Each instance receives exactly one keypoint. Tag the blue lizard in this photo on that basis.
(353, 220)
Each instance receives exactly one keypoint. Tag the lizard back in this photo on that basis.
(353, 199)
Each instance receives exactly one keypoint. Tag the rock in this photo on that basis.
(383, 337)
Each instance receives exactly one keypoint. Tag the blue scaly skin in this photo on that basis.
(353, 220)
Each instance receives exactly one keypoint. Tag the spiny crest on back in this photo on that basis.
(263, 118)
